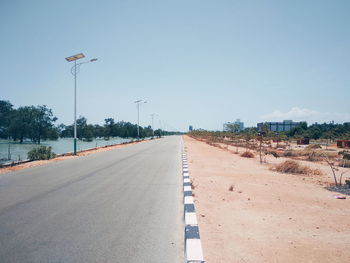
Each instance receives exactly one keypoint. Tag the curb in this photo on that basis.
(193, 244)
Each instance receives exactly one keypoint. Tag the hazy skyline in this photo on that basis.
(199, 63)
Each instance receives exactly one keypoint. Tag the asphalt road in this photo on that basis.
(123, 205)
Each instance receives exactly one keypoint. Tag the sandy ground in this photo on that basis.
(62, 158)
(268, 216)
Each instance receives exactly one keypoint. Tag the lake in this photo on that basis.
(63, 145)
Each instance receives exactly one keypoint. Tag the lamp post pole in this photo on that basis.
(152, 116)
(75, 107)
(74, 71)
(138, 102)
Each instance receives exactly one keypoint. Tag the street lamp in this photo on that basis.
(152, 116)
(138, 102)
(74, 70)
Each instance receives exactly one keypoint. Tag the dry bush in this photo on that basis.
(313, 146)
(209, 143)
(248, 155)
(344, 163)
(281, 146)
(288, 154)
(273, 153)
(314, 157)
(310, 154)
(293, 167)
(231, 188)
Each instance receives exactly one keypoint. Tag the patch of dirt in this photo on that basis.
(268, 216)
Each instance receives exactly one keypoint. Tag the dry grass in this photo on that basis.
(293, 167)
(248, 155)
(317, 155)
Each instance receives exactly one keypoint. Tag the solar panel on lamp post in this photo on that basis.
(74, 71)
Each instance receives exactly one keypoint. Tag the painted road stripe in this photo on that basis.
(187, 188)
(193, 246)
(191, 232)
(189, 208)
(188, 193)
(194, 250)
(191, 219)
(188, 200)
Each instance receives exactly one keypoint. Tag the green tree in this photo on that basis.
(42, 124)
(6, 111)
(21, 126)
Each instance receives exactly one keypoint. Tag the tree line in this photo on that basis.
(328, 131)
(37, 123)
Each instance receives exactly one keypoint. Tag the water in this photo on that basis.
(63, 145)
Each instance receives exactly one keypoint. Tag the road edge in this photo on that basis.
(193, 244)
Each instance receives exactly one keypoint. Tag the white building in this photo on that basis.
(236, 126)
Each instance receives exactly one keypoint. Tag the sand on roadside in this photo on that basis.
(64, 157)
(268, 216)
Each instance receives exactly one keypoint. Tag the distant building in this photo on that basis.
(343, 144)
(286, 125)
(190, 128)
(234, 126)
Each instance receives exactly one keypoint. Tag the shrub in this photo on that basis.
(293, 167)
(288, 154)
(247, 155)
(313, 157)
(273, 153)
(313, 146)
(344, 163)
(41, 153)
(346, 154)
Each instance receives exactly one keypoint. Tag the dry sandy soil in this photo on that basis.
(268, 216)
(62, 158)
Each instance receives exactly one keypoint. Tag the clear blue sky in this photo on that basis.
(195, 62)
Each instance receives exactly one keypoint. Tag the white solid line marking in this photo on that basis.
(186, 180)
(191, 219)
(188, 200)
(194, 250)
(187, 188)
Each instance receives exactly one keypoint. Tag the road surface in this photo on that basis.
(123, 205)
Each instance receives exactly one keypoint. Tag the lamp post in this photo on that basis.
(152, 116)
(138, 102)
(74, 70)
